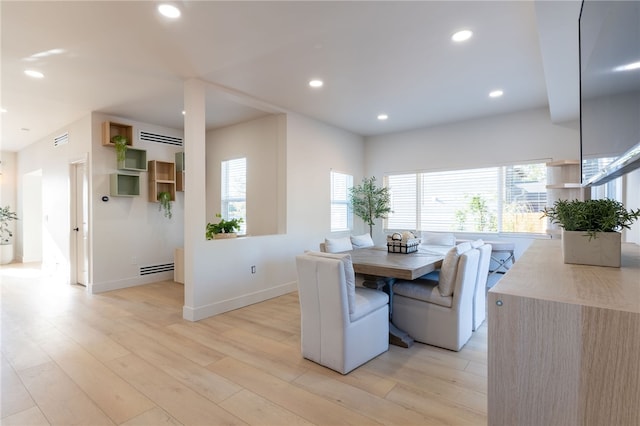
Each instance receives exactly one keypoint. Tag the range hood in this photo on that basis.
(627, 162)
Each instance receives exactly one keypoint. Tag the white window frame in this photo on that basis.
(495, 198)
(236, 194)
(340, 184)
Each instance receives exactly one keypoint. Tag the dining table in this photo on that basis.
(381, 269)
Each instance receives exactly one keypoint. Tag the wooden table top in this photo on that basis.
(377, 261)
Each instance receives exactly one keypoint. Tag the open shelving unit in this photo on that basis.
(124, 185)
(180, 171)
(111, 129)
(135, 160)
(162, 178)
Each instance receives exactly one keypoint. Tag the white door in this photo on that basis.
(80, 222)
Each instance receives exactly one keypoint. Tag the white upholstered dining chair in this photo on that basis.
(342, 326)
(440, 312)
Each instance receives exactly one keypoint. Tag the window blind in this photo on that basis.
(234, 191)
(341, 215)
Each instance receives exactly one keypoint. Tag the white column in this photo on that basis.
(195, 189)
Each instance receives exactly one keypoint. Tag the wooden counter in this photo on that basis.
(564, 341)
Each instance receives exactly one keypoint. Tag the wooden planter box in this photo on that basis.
(603, 250)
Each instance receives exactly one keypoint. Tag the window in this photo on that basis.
(341, 214)
(234, 191)
(492, 199)
(593, 166)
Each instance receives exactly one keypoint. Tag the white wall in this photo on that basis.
(221, 277)
(8, 196)
(491, 141)
(54, 163)
(632, 201)
(130, 232)
(257, 141)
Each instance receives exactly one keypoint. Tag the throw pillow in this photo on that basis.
(337, 245)
(349, 275)
(362, 241)
(449, 269)
(477, 243)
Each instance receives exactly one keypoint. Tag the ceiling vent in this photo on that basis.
(158, 138)
(61, 140)
(155, 269)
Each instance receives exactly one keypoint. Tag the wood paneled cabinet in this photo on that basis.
(564, 341)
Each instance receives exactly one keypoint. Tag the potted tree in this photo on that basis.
(591, 229)
(223, 229)
(6, 245)
(370, 202)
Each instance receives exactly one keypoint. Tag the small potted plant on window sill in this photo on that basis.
(223, 229)
(591, 229)
(120, 143)
(164, 198)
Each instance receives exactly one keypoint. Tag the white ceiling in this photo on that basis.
(395, 57)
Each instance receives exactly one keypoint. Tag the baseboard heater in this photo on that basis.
(156, 269)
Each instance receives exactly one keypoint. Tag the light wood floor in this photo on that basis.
(128, 358)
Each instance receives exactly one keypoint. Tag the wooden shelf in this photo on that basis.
(111, 129)
(135, 160)
(566, 185)
(124, 185)
(559, 163)
(162, 178)
(180, 171)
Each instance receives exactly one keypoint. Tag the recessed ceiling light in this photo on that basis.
(628, 67)
(34, 73)
(3, 110)
(184, 112)
(496, 94)
(169, 10)
(461, 36)
(316, 83)
(382, 117)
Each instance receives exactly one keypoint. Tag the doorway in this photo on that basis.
(79, 209)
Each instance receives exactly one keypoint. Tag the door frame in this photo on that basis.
(74, 198)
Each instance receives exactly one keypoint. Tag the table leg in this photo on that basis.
(396, 336)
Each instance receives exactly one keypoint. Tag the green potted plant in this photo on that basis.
(591, 229)
(6, 216)
(164, 198)
(370, 202)
(120, 143)
(223, 229)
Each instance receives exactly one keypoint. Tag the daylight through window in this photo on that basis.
(341, 214)
(234, 191)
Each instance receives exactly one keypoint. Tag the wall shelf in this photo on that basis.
(135, 160)
(162, 178)
(124, 185)
(180, 171)
(111, 129)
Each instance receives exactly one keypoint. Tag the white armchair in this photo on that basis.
(480, 292)
(342, 326)
(440, 313)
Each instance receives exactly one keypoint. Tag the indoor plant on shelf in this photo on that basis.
(120, 143)
(6, 216)
(223, 229)
(591, 229)
(164, 198)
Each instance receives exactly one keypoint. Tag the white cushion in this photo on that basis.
(349, 275)
(450, 267)
(362, 241)
(426, 290)
(367, 301)
(438, 239)
(337, 245)
(477, 243)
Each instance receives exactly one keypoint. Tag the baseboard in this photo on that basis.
(96, 288)
(201, 312)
